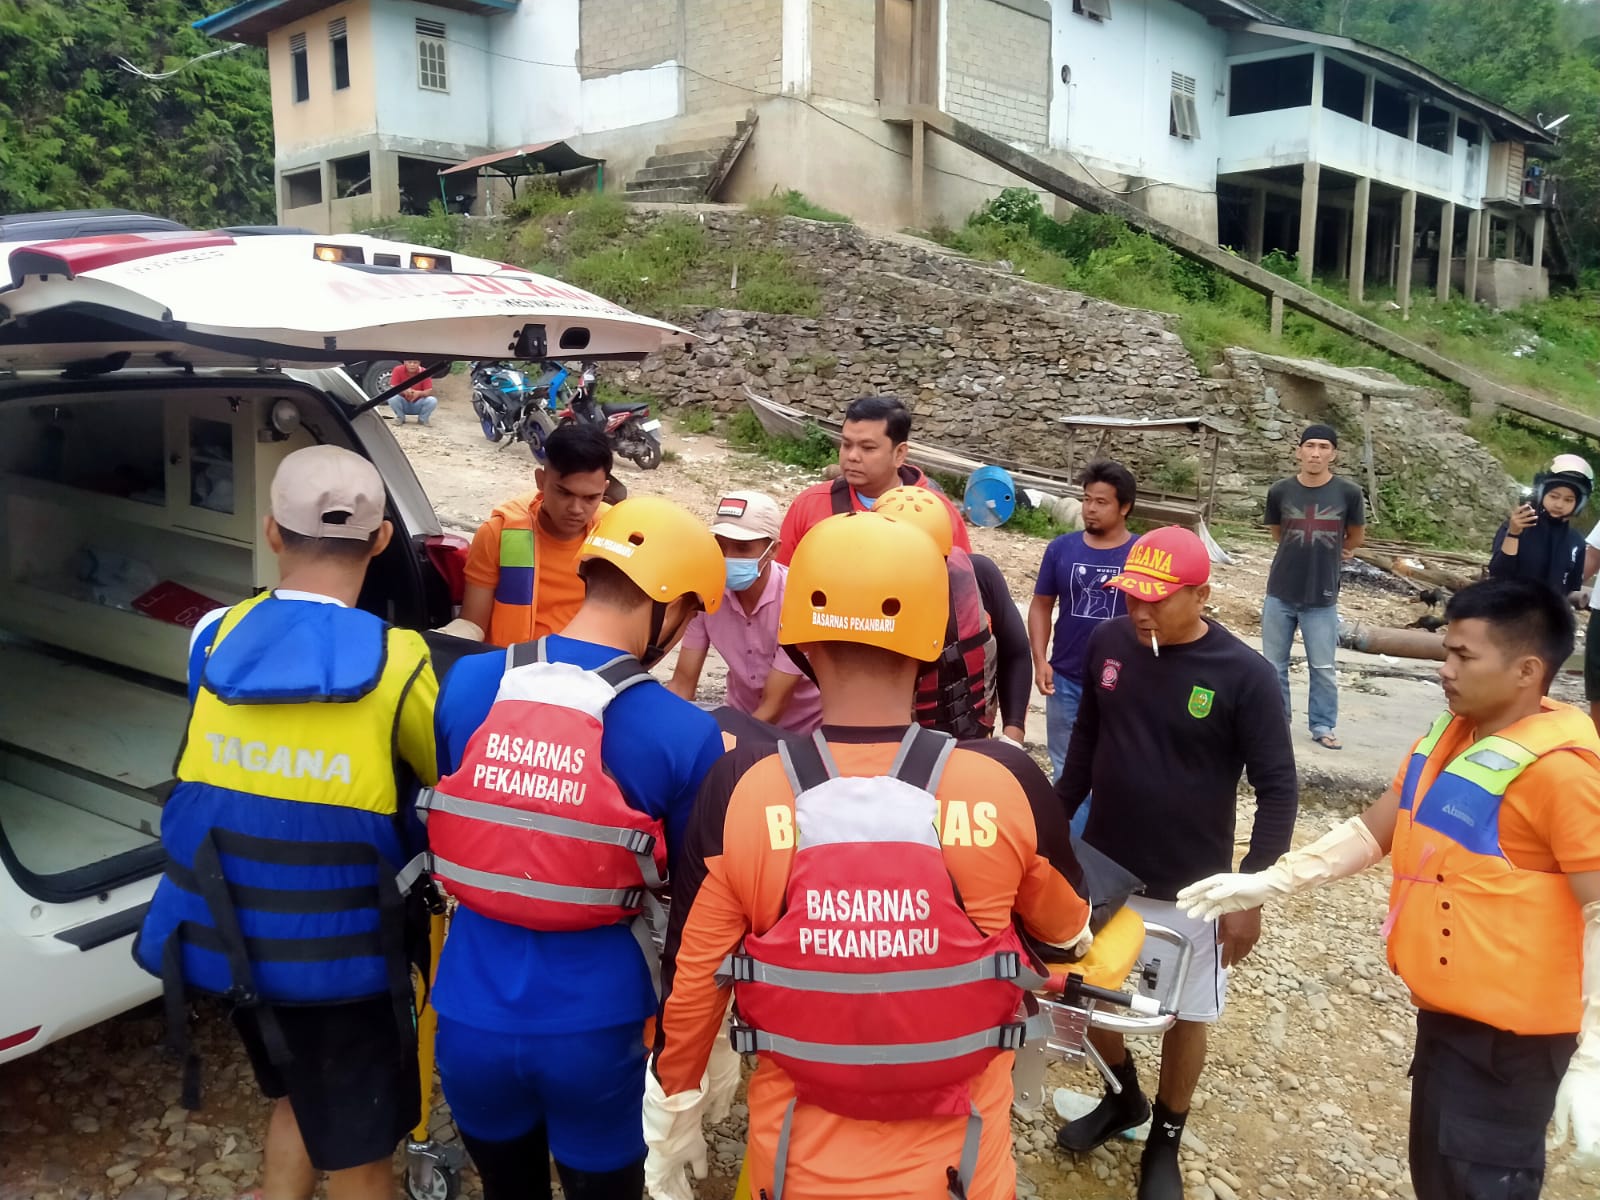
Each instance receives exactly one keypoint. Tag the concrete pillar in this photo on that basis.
(1538, 238)
(1256, 227)
(1405, 249)
(919, 138)
(1358, 238)
(1469, 278)
(1309, 190)
(385, 168)
(1341, 245)
(1447, 237)
(1275, 309)
(1488, 235)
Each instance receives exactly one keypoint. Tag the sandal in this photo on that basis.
(1329, 741)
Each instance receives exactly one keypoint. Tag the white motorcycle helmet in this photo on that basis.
(1568, 471)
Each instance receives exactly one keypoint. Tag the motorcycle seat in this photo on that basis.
(612, 410)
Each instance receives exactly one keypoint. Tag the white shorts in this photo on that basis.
(1206, 987)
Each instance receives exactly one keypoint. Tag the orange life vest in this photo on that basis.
(1470, 932)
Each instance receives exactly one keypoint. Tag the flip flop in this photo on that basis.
(1329, 741)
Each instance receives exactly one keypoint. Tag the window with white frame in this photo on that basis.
(430, 56)
(1185, 118)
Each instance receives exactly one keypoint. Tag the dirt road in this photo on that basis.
(1305, 1096)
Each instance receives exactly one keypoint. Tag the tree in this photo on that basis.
(78, 131)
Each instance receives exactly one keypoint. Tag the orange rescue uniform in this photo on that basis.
(534, 575)
(1007, 848)
(1483, 924)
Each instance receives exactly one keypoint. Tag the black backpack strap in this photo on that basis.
(622, 673)
(807, 764)
(923, 753)
(839, 496)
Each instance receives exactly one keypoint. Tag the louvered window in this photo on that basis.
(1185, 120)
(1099, 10)
(300, 67)
(339, 44)
(430, 56)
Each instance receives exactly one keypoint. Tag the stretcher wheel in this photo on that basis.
(443, 1182)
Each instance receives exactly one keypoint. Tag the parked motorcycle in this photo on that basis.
(513, 408)
(629, 427)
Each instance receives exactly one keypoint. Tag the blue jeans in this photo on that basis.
(1319, 630)
(1060, 713)
(421, 408)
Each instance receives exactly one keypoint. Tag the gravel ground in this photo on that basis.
(1304, 1098)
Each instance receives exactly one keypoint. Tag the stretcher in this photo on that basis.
(432, 1168)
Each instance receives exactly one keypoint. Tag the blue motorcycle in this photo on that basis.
(512, 408)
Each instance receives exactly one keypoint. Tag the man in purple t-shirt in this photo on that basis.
(1075, 568)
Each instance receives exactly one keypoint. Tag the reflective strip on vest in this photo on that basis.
(1419, 759)
(741, 968)
(534, 890)
(515, 583)
(1011, 1036)
(639, 843)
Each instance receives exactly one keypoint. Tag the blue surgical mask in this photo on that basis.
(742, 572)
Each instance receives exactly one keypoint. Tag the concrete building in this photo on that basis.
(1209, 114)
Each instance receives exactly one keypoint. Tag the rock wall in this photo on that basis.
(990, 362)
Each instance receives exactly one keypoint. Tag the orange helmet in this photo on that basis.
(664, 549)
(920, 507)
(868, 579)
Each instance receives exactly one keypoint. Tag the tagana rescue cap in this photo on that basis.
(864, 578)
(328, 492)
(1161, 562)
(662, 547)
(747, 517)
(1320, 433)
(920, 507)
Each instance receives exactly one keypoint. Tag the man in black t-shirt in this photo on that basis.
(1175, 709)
(1318, 520)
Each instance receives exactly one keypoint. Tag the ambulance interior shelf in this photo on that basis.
(123, 520)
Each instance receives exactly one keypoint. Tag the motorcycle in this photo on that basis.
(630, 429)
(511, 408)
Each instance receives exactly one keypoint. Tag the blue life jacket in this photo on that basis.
(287, 870)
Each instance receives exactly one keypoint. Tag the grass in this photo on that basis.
(815, 450)
(792, 204)
(695, 419)
(1035, 522)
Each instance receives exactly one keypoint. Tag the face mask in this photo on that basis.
(742, 572)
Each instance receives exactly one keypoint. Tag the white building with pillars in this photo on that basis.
(1212, 115)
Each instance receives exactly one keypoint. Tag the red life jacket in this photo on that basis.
(531, 829)
(956, 695)
(874, 991)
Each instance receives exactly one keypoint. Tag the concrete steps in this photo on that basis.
(682, 172)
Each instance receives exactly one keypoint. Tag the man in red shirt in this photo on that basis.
(872, 459)
(417, 400)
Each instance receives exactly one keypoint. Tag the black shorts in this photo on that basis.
(352, 1078)
(1480, 1101)
(1591, 658)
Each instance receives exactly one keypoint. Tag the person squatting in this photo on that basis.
(862, 901)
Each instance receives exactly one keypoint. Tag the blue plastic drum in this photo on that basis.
(990, 498)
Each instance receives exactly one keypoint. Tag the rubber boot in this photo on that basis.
(1159, 1175)
(1113, 1115)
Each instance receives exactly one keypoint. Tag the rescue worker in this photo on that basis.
(985, 667)
(287, 854)
(569, 775)
(875, 848)
(1493, 830)
(872, 459)
(522, 570)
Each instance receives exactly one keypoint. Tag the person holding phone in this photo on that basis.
(1538, 540)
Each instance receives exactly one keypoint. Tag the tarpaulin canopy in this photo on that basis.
(548, 158)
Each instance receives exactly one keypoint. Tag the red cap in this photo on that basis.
(1161, 562)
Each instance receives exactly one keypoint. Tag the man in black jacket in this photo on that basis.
(1175, 709)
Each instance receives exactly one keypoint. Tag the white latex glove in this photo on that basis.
(722, 1077)
(1343, 850)
(1578, 1099)
(1001, 736)
(462, 628)
(672, 1140)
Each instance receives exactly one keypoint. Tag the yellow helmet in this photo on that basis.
(664, 549)
(920, 507)
(868, 579)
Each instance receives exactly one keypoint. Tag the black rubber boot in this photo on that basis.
(1159, 1175)
(1113, 1115)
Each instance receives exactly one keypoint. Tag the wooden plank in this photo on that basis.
(1087, 195)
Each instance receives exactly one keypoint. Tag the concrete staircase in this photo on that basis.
(687, 172)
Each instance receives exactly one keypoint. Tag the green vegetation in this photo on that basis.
(695, 419)
(661, 267)
(815, 450)
(77, 131)
(793, 204)
(1035, 522)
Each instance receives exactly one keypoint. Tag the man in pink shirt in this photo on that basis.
(762, 679)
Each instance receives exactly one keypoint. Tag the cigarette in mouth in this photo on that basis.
(1155, 646)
